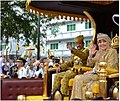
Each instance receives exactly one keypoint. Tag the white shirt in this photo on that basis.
(1, 60)
(0, 70)
(50, 63)
(22, 72)
(39, 71)
(28, 61)
(31, 73)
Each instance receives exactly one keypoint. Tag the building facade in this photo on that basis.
(57, 44)
(67, 32)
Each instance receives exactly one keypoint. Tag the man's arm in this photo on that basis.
(81, 54)
(67, 65)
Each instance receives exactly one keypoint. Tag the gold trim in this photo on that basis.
(113, 75)
(28, 1)
(94, 25)
(45, 80)
(107, 2)
(102, 74)
(54, 13)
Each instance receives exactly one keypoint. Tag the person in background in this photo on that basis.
(13, 71)
(1, 71)
(15, 59)
(40, 72)
(5, 70)
(30, 70)
(1, 59)
(51, 61)
(10, 63)
(104, 54)
(29, 58)
(22, 72)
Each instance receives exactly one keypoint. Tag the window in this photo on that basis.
(88, 25)
(71, 27)
(87, 43)
(72, 44)
(54, 46)
(3, 46)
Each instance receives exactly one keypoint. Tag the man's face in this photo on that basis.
(19, 64)
(42, 65)
(79, 45)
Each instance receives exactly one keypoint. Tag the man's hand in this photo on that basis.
(88, 72)
(69, 46)
(58, 69)
(30, 54)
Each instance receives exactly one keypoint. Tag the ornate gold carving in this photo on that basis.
(116, 90)
(45, 80)
(102, 73)
(94, 26)
(89, 95)
(115, 41)
(21, 97)
(101, 2)
(113, 75)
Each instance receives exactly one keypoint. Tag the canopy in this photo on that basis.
(51, 8)
(101, 11)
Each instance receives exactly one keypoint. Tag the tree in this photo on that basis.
(15, 20)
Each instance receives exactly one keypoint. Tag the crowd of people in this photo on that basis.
(21, 67)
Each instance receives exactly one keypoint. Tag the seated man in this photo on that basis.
(82, 54)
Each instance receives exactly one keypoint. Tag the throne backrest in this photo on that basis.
(115, 42)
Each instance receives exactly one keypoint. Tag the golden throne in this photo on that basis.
(108, 91)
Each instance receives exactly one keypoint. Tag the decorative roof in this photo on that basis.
(53, 13)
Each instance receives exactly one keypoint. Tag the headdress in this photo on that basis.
(21, 60)
(79, 39)
(103, 36)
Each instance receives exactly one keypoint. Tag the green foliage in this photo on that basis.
(15, 20)
(54, 29)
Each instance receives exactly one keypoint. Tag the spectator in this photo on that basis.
(5, 69)
(40, 72)
(22, 73)
(30, 70)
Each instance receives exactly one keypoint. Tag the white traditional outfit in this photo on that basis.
(22, 72)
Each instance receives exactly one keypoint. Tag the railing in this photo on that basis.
(67, 35)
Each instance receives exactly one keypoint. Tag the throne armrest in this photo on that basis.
(113, 75)
(111, 71)
(51, 69)
(86, 68)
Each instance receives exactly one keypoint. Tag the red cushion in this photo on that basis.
(11, 88)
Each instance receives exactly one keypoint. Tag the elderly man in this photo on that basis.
(81, 53)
